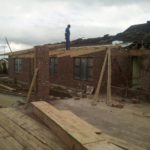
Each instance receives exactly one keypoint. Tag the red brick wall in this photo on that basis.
(42, 63)
(121, 70)
(26, 73)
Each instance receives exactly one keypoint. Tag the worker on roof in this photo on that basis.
(67, 36)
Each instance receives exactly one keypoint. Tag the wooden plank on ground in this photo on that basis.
(19, 134)
(7, 87)
(69, 131)
(80, 122)
(33, 127)
(103, 145)
(121, 143)
(77, 138)
(7, 142)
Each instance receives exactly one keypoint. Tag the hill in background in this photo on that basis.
(135, 33)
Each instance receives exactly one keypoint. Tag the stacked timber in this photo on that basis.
(18, 131)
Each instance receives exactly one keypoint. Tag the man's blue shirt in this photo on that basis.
(67, 33)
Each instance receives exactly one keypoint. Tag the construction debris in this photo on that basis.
(135, 101)
(117, 104)
(89, 90)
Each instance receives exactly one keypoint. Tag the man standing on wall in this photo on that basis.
(67, 37)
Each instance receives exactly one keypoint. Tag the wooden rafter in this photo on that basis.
(139, 53)
(87, 51)
(57, 51)
(29, 55)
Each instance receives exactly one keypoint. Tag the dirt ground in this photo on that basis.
(131, 123)
(9, 100)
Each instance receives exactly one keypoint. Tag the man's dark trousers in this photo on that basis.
(67, 43)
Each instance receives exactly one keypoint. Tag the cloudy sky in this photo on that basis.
(32, 22)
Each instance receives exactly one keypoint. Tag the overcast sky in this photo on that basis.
(31, 22)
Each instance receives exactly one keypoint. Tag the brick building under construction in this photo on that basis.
(81, 66)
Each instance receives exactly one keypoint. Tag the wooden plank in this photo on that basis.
(80, 132)
(66, 130)
(82, 51)
(56, 52)
(69, 131)
(92, 49)
(102, 145)
(33, 127)
(23, 137)
(121, 143)
(21, 52)
(73, 49)
(101, 77)
(7, 87)
(7, 142)
(88, 51)
(111, 141)
(59, 131)
(139, 53)
(28, 55)
(80, 122)
(69, 52)
(109, 78)
(32, 85)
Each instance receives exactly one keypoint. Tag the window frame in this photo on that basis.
(18, 65)
(85, 76)
(53, 66)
